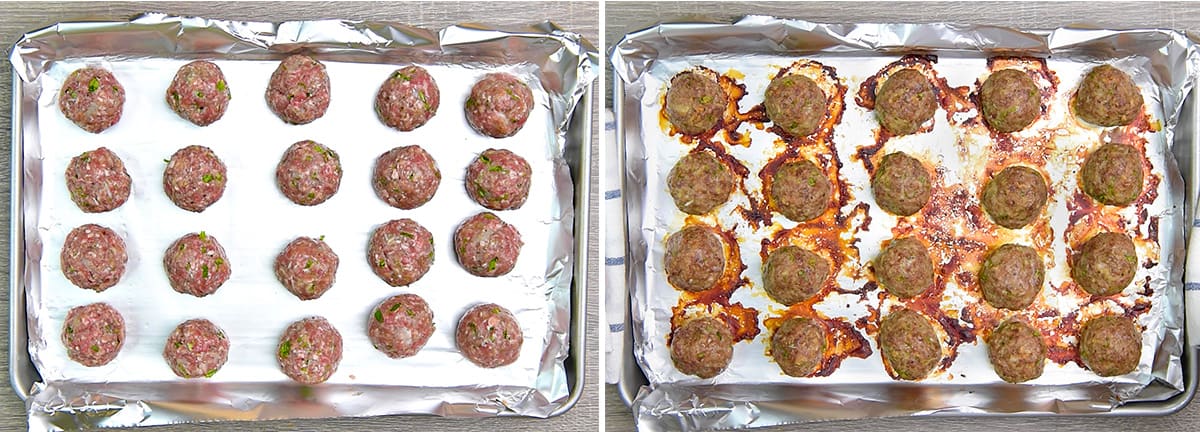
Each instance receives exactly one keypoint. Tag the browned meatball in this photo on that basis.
(702, 347)
(904, 102)
(1017, 351)
(1112, 174)
(904, 268)
(795, 104)
(798, 346)
(909, 344)
(792, 275)
(695, 259)
(699, 183)
(1106, 264)
(1012, 276)
(695, 102)
(1107, 97)
(901, 184)
(1015, 197)
(1110, 345)
(801, 191)
(1010, 100)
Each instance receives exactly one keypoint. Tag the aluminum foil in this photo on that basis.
(254, 221)
(753, 391)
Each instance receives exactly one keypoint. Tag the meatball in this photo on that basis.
(400, 252)
(699, 183)
(795, 104)
(909, 344)
(498, 180)
(92, 98)
(800, 190)
(1106, 264)
(407, 99)
(1011, 276)
(195, 178)
(489, 336)
(199, 93)
(904, 102)
(93, 334)
(307, 267)
(695, 102)
(702, 347)
(93, 257)
(1112, 174)
(1011, 100)
(309, 173)
(401, 325)
(499, 105)
(1110, 345)
(299, 90)
(97, 181)
(694, 259)
(196, 348)
(1107, 97)
(792, 275)
(1017, 351)
(196, 264)
(487, 246)
(310, 350)
(904, 268)
(406, 177)
(1015, 196)
(901, 184)
(798, 346)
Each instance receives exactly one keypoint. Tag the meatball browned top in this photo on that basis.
(1110, 345)
(695, 102)
(1015, 196)
(1107, 97)
(695, 259)
(798, 346)
(699, 183)
(801, 191)
(1017, 351)
(702, 347)
(1112, 174)
(1106, 264)
(1012, 276)
(904, 268)
(909, 344)
(792, 275)
(901, 184)
(1010, 100)
(905, 101)
(796, 104)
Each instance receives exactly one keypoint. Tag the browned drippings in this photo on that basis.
(1038, 70)
(833, 114)
(841, 339)
(716, 300)
(953, 100)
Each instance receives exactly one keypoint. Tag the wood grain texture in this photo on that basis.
(625, 17)
(580, 17)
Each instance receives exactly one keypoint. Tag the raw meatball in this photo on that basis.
(1017, 351)
(904, 268)
(798, 346)
(489, 336)
(401, 325)
(901, 184)
(93, 334)
(196, 348)
(310, 350)
(699, 183)
(93, 257)
(97, 181)
(199, 93)
(801, 191)
(795, 104)
(1112, 174)
(92, 98)
(309, 173)
(196, 264)
(904, 102)
(400, 252)
(702, 347)
(406, 177)
(695, 102)
(1015, 196)
(1011, 100)
(407, 99)
(487, 246)
(195, 178)
(498, 180)
(1110, 345)
(299, 90)
(1011, 276)
(695, 259)
(792, 275)
(499, 105)
(1107, 97)
(307, 267)
(1106, 264)
(909, 344)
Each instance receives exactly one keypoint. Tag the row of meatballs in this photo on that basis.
(299, 93)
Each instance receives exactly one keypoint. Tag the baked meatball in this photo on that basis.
(299, 90)
(309, 173)
(487, 246)
(407, 99)
(400, 325)
(489, 336)
(97, 181)
(309, 350)
(1017, 351)
(1011, 276)
(499, 180)
(92, 98)
(196, 348)
(699, 183)
(695, 102)
(904, 102)
(196, 264)
(93, 257)
(800, 190)
(798, 346)
(499, 105)
(1110, 345)
(1106, 264)
(1112, 174)
(904, 268)
(702, 347)
(901, 184)
(93, 334)
(199, 93)
(406, 177)
(792, 275)
(694, 259)
(909, 344)
(307, 267)
(1015, 196)
(194, 178)
(795, 104)
(400, 252)
(1107, 97)
(1011, 100)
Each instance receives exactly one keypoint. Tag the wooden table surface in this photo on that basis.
(622, 18)
(581, 17)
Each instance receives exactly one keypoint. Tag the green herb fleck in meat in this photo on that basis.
(406, 234)
(492, 264)
(221, 85)
(378, 315)
(204, 271)
(203, 236)
(403, 76)
(421, 95)
(93, 85)
(308, 263)
(207, 178)
(285, 348)
(210, 373)
(95, 348)
(200, 94)
(382, 262)
(395, 306)
(497, 168)
(409, 312)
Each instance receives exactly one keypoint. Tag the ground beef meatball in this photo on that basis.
(489, 336)
(702, 347)
(92, 98)
(487, 246)
(309, 173)
(1011, 276)
(1107, 97)
(199, 93)
(498, 180)
(196, 264)
(699, 183)
(196, 348)
(694, 259)
(401, 325)
(904, 102)
(798, 346)
(1011, 100)
(800, 190)
(909, 344)
(400, 252)
(792, 275)
(299, 90)
(1112, 174)
(406, 177)
(1110, 345)
(1106, 264)
(195, 178)
(407, 99)
(904, 268)
(307, 267)
(97, 181)
(1017, 351)
(901, 184)
(93, 257)
(1015, 196)
(93, 334)
(499, 105)
(795, 104)
(310, 350)
(695, 102)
